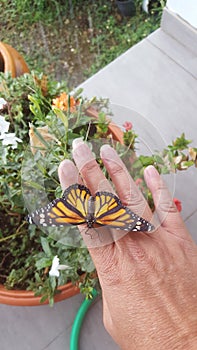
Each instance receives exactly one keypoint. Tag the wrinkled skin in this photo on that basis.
(148, 280)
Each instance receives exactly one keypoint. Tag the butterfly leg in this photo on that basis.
(88, 233)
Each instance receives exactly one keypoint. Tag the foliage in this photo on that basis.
(27, 254)
(115, 35)
(73, 40)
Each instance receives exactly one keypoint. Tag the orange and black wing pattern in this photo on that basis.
(71, 209)
(77, 207)
(109, 211)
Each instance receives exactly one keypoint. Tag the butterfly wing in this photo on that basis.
(111, 212)
(70, 209)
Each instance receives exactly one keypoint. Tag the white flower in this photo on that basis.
(54, 271)
(2, 102)
(4, 125)
(7, 138)
(10, 139)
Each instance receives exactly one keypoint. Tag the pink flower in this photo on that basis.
(178, 204)
(128, 126)
(138, 181)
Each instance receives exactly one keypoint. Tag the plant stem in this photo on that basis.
(17, 233)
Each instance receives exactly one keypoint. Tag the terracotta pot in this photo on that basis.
(114, 130)
(27, 298)
(11, 61)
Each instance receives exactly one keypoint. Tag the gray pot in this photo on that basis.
(126, 7)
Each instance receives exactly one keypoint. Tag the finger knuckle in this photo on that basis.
(116, 168)
(89, 167)
(133, 198)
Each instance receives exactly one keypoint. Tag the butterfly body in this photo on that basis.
(77, 206)
(90, 219)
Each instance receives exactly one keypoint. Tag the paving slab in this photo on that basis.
(150, 83)
(175, 51)
(35, 327)
(93, 331)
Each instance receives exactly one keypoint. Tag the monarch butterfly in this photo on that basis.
(77, 206)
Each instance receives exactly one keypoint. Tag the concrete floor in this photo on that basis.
(153, 85)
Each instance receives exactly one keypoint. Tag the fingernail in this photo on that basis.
(107, 151)
(151, 173)
(65, 166)
(77, 142)
(67, 173)
(81, 153)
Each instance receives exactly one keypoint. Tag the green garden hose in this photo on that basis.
(74, 337)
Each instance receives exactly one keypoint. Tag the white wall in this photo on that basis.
(187, 9)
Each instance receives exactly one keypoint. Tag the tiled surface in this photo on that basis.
(155, 81)
(45, 328)
(152, 84)
(179, 29)
(175, 51)
(28, 328)
(93, 334)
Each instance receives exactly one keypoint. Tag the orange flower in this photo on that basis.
(65, 102)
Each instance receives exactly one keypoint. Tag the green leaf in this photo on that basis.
(34, 107)
(44, 298)
(51, 300)
(146, 160)
(42, 263)
(45, 246)
(63, 117)
(180, 143)
(53, 282)
(187, 163)
(36, 185)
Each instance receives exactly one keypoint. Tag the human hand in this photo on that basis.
(148, 280)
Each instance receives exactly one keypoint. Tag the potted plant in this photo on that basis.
(38, 123)
(37, 109)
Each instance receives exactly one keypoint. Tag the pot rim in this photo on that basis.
(27, 298)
